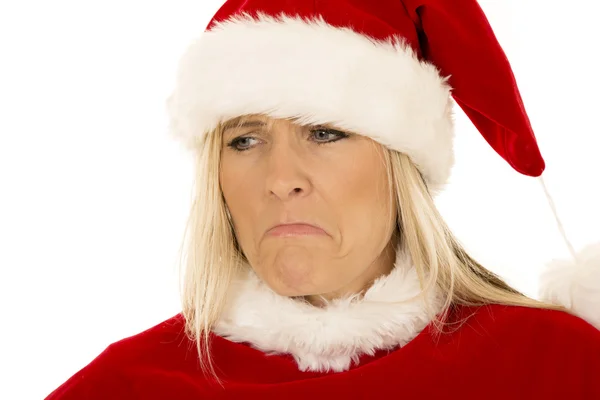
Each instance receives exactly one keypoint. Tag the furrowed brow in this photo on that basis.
(235, 123)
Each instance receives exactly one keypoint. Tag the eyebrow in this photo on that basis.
(234, 123)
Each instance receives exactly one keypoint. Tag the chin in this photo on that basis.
(300, 288)
(287, 291)
(293, 273)
(291, 289)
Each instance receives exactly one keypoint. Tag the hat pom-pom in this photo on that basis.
(575, 284)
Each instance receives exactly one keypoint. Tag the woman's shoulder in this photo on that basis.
(160, 337)
(530, 329)
(531, 318)
(109, 375)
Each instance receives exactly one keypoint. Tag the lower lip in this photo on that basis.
(295, 230)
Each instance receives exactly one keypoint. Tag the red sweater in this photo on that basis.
(501, 352)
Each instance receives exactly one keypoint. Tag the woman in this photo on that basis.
(317, 263)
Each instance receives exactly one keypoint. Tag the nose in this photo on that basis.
(287, 176)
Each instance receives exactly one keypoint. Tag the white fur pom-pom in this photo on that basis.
(575, 285)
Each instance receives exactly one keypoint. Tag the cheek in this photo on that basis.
(235, 183)
(363, 198)
(241, 194)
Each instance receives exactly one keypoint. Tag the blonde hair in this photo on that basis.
(213, 256)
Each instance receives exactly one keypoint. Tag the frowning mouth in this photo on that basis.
(290, 230)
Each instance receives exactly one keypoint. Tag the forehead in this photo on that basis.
(261, 120)
(253, 120)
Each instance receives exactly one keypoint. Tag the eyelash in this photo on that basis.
(341, 135)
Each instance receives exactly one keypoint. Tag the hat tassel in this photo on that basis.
(574, 284)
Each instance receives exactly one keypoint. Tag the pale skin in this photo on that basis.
(315, 174)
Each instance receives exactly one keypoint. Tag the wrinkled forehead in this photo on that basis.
(267, 122)
(252, 120)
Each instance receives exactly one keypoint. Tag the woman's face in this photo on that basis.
(274, 171)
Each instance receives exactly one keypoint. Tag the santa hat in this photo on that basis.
(386, 69)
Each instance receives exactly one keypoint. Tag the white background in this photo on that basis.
(94, 195)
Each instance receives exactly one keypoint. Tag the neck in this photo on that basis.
(381, 266)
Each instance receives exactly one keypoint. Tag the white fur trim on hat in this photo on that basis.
(288, 67)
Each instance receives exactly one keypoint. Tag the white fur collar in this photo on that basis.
(329, 338)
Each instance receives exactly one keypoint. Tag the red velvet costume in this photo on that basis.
(499, 353)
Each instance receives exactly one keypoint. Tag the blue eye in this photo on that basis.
(322, 135)
(235, 143)
(325, 135)
(318, 135)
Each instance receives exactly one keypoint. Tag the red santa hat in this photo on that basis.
(387, 69)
